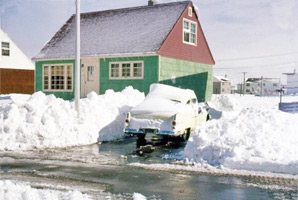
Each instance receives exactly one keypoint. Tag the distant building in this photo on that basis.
(292, 83)
(16, 69)
(262, 86)
(221, 85)
(239, 88)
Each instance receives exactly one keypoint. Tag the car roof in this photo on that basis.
(158, 90)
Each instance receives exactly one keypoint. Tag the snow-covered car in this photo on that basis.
(167, 111)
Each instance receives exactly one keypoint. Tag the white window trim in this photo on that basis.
(190, 11)
(190, 22)
(50, 81)
(131, 70)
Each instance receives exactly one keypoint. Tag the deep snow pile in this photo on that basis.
(20, 191)
(44, 121)
(254, 136)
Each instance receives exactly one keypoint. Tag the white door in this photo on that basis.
(89, 76)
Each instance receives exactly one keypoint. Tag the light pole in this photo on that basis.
(244, 82)
(78, 68)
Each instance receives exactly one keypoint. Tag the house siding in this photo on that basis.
(39, 73)
(174, 47)
(151, 74)
(186, 74)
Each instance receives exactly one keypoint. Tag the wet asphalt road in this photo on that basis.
(103, 170)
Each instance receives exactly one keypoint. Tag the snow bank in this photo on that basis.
(138, 196)
(21, 191)
(256, 136)
(44, 121)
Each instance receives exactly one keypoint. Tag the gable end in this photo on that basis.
(178, 46)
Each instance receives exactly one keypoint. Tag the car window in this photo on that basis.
(194, 101)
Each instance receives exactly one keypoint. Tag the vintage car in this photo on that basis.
(167, 111)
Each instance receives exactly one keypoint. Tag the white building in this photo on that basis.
(262, 86)
(16, 69)
(221, 85)
(292, 83)
(11, 56)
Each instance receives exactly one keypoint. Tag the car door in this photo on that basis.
(196, 111)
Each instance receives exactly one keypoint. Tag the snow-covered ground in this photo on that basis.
(10, 190)
(247, 132)
(15, 190)
(44, 121)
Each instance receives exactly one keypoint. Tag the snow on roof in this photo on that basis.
(290, 74)
(158, 90)
(137, 30)
(221, 78)
(164, 100)
(264, 79)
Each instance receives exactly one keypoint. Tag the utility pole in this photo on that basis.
(244, 82)
(78, 68)
(261, 86)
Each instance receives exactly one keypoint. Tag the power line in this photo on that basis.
(256, 57)
(262, 66)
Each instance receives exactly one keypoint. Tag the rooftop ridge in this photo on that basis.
(134, 8)
(61, 39)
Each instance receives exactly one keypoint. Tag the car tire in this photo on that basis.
(186, 135)
(141, 136)
(208, 117)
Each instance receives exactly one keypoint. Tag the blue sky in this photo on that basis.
(264, 31)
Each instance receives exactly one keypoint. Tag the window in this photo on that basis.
(194, 101)
(189, 32)
(90, 73)
(57, 77)
(137, 70)
(127, 70)
(5, 48)
(114, 70)
(190, 11)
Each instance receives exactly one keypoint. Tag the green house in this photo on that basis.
(158, 43)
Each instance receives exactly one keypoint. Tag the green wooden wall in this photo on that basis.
(150, 74)
(185, 74)
(179, 73)
(39, 73)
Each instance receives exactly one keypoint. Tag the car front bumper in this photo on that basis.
(153, 131)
